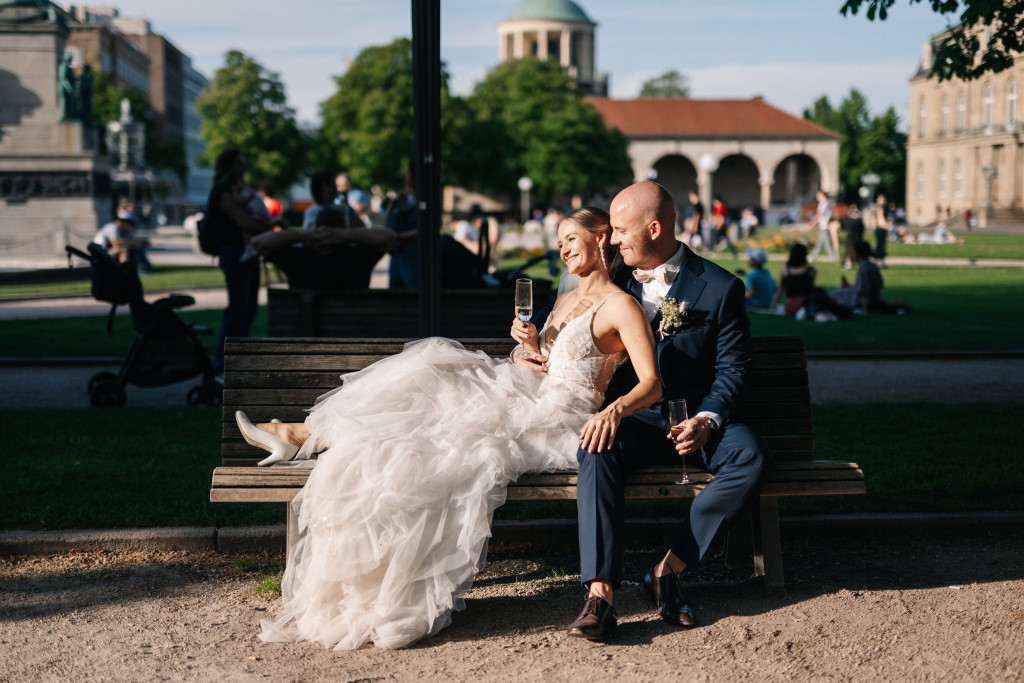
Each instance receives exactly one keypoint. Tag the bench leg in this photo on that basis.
(292, 529)
(768, 541)
(739, 542)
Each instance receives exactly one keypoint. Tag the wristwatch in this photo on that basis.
(711, 424)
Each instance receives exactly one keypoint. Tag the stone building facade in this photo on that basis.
(964, 146)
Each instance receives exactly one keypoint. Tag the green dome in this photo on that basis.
(555, 10)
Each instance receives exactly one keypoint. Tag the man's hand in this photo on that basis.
(696, 432)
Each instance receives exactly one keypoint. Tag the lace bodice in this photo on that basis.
(573, 355)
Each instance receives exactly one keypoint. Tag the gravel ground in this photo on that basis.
(894, 608)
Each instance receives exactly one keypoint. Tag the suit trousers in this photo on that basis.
(734, 454)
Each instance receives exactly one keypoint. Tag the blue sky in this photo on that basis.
(791, 51)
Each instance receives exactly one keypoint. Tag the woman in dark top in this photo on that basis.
(236, 227)
(796, 282)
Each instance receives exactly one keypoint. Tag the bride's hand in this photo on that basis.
(525, 333)
(599, 432)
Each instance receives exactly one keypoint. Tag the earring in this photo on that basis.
(604, 259)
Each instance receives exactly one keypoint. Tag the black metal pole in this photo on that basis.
(426, 64)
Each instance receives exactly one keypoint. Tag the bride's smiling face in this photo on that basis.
(578, 247)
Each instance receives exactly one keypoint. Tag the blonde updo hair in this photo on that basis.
(597, 221)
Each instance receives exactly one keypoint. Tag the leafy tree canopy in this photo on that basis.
(538, 125)
(867, 143)
(669, 84)
(985, 40)
(245, 107)
(368, 121)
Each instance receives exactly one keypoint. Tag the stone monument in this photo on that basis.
(54, 187)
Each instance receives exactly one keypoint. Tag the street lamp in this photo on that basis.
(990, 171)
(709, 164)
(871, 179)
(525, 185)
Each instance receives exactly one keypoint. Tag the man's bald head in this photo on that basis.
(644, 214)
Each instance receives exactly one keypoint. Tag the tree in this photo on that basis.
(245, 107)
(368, 121)
(867, 143)
(986, 39)
(538, 125)
(669, 84)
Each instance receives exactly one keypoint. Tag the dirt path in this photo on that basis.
(889, 609)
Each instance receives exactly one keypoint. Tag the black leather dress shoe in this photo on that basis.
(595, 622)
(663, 591)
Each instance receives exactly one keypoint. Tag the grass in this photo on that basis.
(87, 335)
(180, 278)
(953, 308)
(140, 467)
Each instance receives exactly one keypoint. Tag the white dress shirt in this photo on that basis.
(655, 291)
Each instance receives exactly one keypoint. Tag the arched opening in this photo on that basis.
(678, 175)
(736, 181)
(796, 178)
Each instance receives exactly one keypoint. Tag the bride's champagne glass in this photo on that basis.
(677, 415)
(524, 299)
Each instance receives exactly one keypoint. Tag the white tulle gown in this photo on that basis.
(420, 446)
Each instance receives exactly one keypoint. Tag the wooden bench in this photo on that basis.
(390, 313)
(280, 378)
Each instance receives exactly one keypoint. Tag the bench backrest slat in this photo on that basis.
(281, 378)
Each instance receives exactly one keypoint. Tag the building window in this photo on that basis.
(986, 106)
(958, 178)
(944, 111)
(922, 115)
(1011, 105)
(942, 178)
(961, 111)
(920, 181)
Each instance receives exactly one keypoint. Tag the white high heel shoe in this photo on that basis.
(280, 450)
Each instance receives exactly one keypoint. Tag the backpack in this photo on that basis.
(210, 238)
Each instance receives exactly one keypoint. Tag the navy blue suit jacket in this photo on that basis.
(707, 360)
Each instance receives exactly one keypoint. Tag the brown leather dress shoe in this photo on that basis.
(595, 622)
(663, 591)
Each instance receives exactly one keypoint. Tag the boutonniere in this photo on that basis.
(673, 314)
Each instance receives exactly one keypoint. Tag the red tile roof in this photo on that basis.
(684, 118)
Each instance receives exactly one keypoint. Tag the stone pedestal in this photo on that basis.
(54, 189)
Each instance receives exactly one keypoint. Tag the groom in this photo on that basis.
(704, 354)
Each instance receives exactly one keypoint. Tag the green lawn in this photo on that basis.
(163, 278)
(138, 467)
(87, 335)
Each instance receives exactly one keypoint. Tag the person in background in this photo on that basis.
(273, 205)
(881, 229)
(823, 216)
(401, 219)
(760, 285)
(118, 238)
(865, 295)
(692, 236)
(853, 225)
(236, 228)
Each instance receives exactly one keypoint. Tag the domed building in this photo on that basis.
(745, 150)
(553, 29)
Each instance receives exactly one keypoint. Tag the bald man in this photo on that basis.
(704, 356)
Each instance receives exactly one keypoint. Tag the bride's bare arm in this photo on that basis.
(629, 325)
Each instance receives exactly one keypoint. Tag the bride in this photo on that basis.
(415, 451)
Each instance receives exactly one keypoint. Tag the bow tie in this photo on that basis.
(659, 274)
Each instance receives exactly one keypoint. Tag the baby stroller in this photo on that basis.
(165, 350)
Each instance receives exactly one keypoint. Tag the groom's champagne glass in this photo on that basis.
(524, 299)
(677, 415)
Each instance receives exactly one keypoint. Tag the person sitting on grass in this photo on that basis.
(865, 294)
(760, 285)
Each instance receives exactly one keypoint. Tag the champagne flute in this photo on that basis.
(524, 299)
(677, 415)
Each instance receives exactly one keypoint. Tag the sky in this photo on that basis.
(791, 52)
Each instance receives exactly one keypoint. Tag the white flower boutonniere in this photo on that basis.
(672, 314)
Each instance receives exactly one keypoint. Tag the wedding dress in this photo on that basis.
(420, 446)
